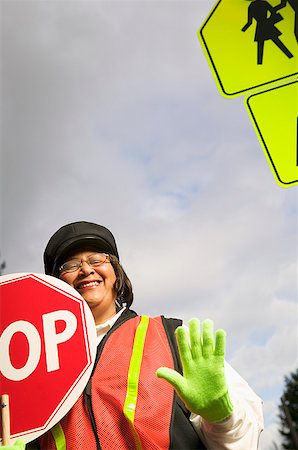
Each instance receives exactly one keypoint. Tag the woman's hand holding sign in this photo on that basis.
(18, 445)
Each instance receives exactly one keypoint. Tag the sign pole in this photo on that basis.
(5, 419)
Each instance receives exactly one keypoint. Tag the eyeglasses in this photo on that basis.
(74, 264)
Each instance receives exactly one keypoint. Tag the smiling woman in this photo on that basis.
(72, 254)
(93, 276)
(145, 392)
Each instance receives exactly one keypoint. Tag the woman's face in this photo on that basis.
(95, 284)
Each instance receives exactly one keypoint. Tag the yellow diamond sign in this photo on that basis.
(250, 43)
(275, 116)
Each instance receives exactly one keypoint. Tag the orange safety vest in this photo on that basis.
(125, 406)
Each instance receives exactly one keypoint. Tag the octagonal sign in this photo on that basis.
(47, 348)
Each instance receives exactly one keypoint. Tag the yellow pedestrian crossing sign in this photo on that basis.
(251, 46)
(250, 43)
(275, 116)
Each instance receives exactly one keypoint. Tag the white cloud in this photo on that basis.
(265, 365)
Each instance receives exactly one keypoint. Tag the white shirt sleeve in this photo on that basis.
(241, 431)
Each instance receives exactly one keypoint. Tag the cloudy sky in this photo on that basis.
(110, 114)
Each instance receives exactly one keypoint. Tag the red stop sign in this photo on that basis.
(47, 348)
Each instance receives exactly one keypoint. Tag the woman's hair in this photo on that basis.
(122, 287)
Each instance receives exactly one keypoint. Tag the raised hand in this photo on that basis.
(202, 387)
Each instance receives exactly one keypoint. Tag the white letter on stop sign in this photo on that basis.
(31, 333)
(52, 339)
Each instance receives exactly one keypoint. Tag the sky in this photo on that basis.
(110, 114)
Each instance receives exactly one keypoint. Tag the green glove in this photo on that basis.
(203, 386)
(18, 445)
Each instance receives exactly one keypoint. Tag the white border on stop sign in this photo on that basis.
(78, 386)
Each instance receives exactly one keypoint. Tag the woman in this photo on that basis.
(130, 401)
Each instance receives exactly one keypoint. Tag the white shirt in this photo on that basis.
(241, 431)
(103, 328)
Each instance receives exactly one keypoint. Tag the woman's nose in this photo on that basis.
(85, 268)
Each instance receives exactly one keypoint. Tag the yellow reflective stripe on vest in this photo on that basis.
(59, 437)
(134, 375)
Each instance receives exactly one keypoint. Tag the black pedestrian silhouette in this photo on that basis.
(265, 28)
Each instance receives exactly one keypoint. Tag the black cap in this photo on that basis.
(74, 236)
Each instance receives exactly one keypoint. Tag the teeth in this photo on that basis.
(90, 283)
